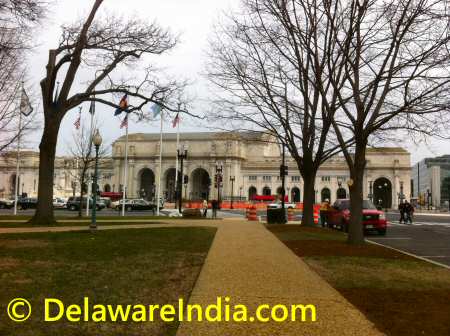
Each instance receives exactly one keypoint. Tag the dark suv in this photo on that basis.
(73, 203)
(27, 203)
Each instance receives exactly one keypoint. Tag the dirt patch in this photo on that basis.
(335, 248)
(22, 243)
(9, 262)
(397, 312)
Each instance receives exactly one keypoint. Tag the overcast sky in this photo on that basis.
(193, 19)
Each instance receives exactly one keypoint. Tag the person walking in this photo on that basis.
(409, 210)
(205, 208)
(215, 207)
(401, 209)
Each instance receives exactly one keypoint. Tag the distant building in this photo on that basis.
(66, 181)
(431, 181)
(253, 160)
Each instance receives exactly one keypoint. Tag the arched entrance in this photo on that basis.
(382, 190)
(267, 191)
(107, 188)
(325, 194)
(251, 193)
(147, 184)
(170, 193)
(280, 193)
(295, 195)
(200, 184)
(341, 193)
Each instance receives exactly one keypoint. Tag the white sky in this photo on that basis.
(193, 19)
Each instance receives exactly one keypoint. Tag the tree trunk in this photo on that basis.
(309, 197)
(355, 230)
(44, 213)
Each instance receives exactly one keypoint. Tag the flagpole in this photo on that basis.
(89, 171)
(124, 189)
(160, 165)
(176, 160)
(17, 164)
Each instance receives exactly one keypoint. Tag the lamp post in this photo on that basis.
(232, 179)
(240, 193)
(371, 191)
(182, 155)
(97, 140)
(218, 180)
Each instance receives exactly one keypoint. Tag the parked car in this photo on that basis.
(136, 205)
(27, 203)
(6, 204)
(373, 219)
(73, 204)
(59, 203)
(106, 201)
(277, 205)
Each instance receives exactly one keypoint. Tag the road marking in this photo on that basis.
(393, 238)
(435, 256)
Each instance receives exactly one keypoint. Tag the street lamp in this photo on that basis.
(218, 180)
(182, 155)
(232, 179)
(240, 193)
(97, 140)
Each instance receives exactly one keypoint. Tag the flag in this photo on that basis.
(92, 108)
(25, 105)
(123, 105)
(156, 109)
(176, 121)
(77, 122)
(124, 122)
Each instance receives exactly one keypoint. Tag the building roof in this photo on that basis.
(194, 136)
(387, 150)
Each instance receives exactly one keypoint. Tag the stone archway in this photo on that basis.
(341, 193)
(267, 191)
(170, 190)
(382, 190)
(107, 188)
(252, 192)
(147, 184)
(295, 195)
(325, 194)
(200, 184)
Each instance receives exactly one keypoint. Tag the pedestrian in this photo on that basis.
(401, 209)
(215, 207)
(205, 208)
(409, 210)
(324, 208)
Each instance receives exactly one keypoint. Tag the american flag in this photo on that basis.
(124, 122)
(176, 120)
(77, 122)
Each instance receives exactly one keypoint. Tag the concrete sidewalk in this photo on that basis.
(252, 267)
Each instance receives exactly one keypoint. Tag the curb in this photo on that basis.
(410, 254)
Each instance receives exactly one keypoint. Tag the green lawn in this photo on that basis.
(145, 266)
(400, 294)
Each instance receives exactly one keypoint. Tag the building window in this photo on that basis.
(326, 178)
(267, 178)
(295, 178)
(252, 178)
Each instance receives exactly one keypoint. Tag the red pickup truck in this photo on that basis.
(373, 220)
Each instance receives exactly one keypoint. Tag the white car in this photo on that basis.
(277, 205)
(59, 203)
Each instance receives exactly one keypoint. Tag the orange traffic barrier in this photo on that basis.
(247, 212)
(252, 216)
(291, 214)
(316, 214)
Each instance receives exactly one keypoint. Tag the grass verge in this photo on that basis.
(400, 294)
(145, 266)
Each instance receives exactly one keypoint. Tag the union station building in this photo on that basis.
(250, 166)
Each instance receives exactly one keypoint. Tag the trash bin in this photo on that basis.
(276, 216)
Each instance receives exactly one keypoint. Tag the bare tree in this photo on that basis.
(103, 47)
(271, 64)
(17, 19)
(82, 151)
(395, 54)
